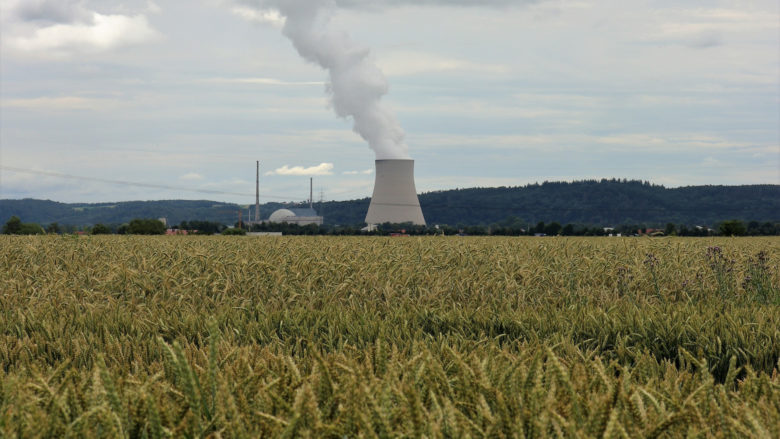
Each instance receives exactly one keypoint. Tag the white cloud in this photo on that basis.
(190, 176)
(486, 109)
(262, 16)
(364, 172)
(101, 33)
(152, 7)
(408, 62)
(702, 28)
(45, 103)
(711, 162)
(671, 141)
(261, 81)
(558, 142)
(321, 169)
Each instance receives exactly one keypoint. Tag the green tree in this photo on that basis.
(13, 226)
(201, 227)
(140, 226)
(53, 228)
(552, 229)
(31, 229)
(732, 228)
(670, 229)
(100, 229)
(770, 229)
(234, 231)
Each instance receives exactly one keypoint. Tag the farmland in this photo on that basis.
(382, 337)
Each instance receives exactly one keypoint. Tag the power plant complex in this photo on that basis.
(394, 199)
(299, 216)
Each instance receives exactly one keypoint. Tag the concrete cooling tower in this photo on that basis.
(395, 197)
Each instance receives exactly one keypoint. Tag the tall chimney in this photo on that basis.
(395, 197)
(311, 192)
(257, 193)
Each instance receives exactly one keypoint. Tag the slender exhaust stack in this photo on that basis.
(257, 193)
(395, 197)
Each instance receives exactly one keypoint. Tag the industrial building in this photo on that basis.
(301, 217)
(395, 197)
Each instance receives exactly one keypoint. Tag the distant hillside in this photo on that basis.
(604, 202)
(45, 211)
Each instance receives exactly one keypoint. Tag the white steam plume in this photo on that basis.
(356, 84)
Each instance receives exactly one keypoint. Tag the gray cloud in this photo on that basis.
(704, 40)
(45, 12)
(62, 28)
(381, 4)
(390, 3)
(599, 89)
(51, 11)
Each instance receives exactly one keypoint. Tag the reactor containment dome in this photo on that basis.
(279, 216)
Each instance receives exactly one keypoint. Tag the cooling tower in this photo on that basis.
(395, 198)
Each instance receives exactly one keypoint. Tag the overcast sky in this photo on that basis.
(188, 94)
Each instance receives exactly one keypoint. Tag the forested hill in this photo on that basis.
(605, 202)
(46, 212)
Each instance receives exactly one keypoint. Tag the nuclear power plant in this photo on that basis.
(395, 197)
(299, 216)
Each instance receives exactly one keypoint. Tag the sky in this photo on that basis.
(115, 100)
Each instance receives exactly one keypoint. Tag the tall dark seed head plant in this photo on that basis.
(651, 262)
(758, 280)
(723, 269)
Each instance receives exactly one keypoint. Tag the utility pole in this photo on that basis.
(257, 193)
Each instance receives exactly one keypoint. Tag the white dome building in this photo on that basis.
(281, 216)
(301, 217)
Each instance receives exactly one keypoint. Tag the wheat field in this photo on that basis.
(151, 337)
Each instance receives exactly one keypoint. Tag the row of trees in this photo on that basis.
(511, 226)
(15, 226)
(138, 226)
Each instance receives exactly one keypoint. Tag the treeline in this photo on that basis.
(511, 226)
(138, 226)
(515, 227)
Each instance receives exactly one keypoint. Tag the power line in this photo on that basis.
(132, 183)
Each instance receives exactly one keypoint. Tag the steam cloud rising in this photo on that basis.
(356, 84)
